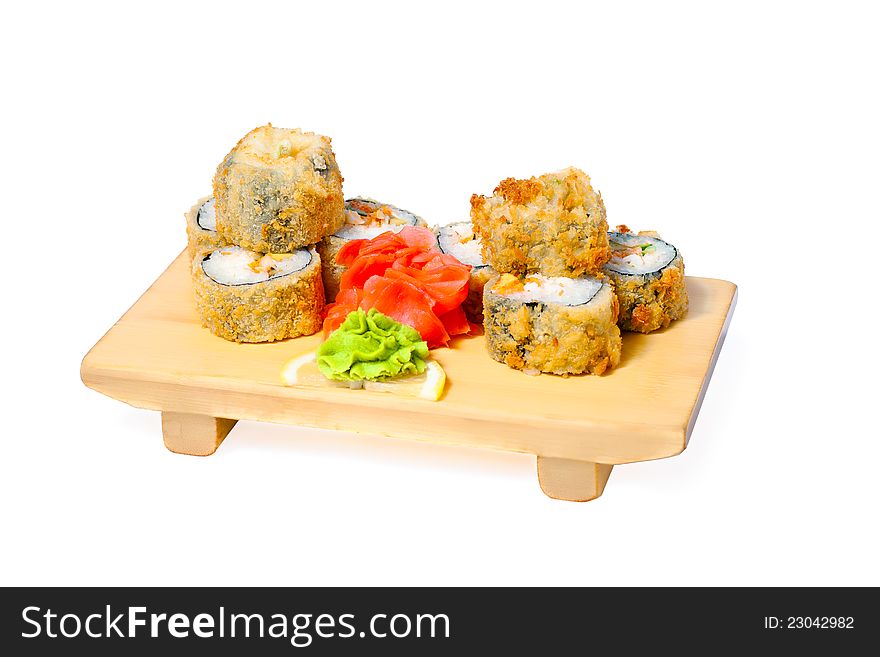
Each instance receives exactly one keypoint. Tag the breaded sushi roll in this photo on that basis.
(201, 228)
(459, 241)
(648, 277)
(552, 225)
(552, 324)
(251, 297)
(365, 218)
(278, 190)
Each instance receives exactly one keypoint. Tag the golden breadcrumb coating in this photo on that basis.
(554, 225)
(199, 240)
(520, 192)
(282, 307)
(651, 301)
(331, 272)
(278, 190)
(550, 337)
(473, 304)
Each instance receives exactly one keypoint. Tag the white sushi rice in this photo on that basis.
(651, 255)
(459, 241)
(207, 217)
(360, 227)
(233, 265)
(557, 289)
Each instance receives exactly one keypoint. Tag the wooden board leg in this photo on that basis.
(197, 435)
(575, 481)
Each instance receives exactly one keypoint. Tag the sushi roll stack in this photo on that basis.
(255, 271)
(550, 309)
(648, 277)
(365, 218)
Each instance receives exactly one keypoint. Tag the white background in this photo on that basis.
(747, 135)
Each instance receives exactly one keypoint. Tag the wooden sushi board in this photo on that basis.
(157, 356)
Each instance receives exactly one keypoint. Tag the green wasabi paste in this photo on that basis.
(371, 346)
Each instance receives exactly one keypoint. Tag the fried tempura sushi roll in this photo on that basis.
(201, 228)
(552, 324)
(552, 225)
(648, 277)
(278, 190)
(459, 241)
(251, 297)
(365, 218)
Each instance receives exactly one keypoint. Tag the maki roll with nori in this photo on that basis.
(648, 277)
(250, 297)
(458, 240)
(552, 324)
(278, 190)
(201, 228)
(553, 225)
(365, 218)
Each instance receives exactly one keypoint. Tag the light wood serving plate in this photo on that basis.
(157, 356)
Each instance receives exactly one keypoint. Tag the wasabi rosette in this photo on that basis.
(370, 346)
(373, 352)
